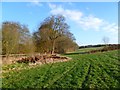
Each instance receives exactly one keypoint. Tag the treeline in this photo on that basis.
(100, 45)
(90, 46)
(52, 36)
(16, 39)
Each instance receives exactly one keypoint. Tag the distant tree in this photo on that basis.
(105, 40)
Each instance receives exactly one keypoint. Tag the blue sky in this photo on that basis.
(88, 21)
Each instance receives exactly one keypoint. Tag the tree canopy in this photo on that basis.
(15, 38)
(51, 33)
(52, 36)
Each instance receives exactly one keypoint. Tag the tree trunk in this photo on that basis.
(53, 47)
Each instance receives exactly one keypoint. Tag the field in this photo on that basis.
(98, 70)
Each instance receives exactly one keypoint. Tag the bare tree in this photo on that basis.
(105, 40)
(0, 40)
(52, 28)
(15, 38)
(10, 37)
(52, 34)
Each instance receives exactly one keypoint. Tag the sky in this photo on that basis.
(88, 21)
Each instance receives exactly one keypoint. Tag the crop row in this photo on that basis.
(35, 77)
(100, 70)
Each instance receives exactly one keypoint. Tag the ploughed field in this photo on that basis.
(96, 70)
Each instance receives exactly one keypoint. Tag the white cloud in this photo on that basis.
(52, 6)
(71, 14)
(74, 14)
(112, 28)
(86, 22)
(89, 22)
(35, 3)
